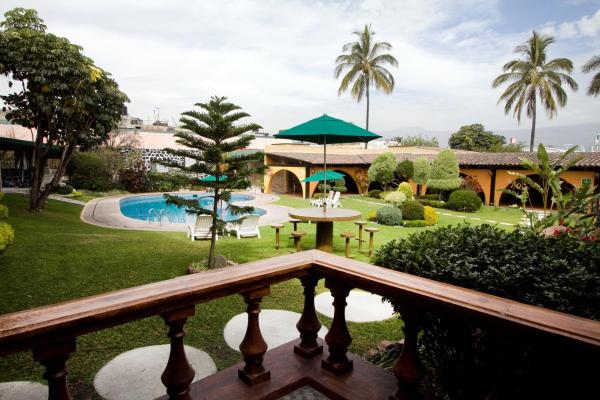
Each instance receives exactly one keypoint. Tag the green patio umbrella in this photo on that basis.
(211, 178)
(320, 176)
(324, 130)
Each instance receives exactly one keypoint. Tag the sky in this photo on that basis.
(276, 58)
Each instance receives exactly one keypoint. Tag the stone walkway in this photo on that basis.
(22, 390)
(362, 306)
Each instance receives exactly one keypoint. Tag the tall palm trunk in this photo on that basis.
(368, 103)
(213, 232)
(532, 140)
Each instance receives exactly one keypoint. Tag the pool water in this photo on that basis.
(155, 208)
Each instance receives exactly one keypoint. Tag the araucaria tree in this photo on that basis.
(593, 65)
(364, 60)
(382, 169)
(444, 175)
(57, 91)
(212, 137)
(531, 78)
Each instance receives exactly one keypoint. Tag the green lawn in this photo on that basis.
(57, 257)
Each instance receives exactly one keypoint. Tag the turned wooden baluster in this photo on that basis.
(408, 369)
(253, 347)
(338, 338)
(309, 324)
(178, 374)
(54, 357)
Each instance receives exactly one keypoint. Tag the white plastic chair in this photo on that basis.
(319, 202)
(201, 228)
(335, 202)
(248, 227)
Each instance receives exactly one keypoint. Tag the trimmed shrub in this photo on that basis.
(464, 200)
(382, 169)
(389, 216)
(74, 195)
(374, 193)
(7, 235)
(89, 170)
(341, 189)
(422, 169)
(430, 216)
(405, 170)
(64, 189)
(428, 196)
(406, 188)
(415, 223)
(412, 210)
(383, 194)
(321, 185)
(445, 171)
(3, 211)
(372, 215)
(560, 273)
(432, 203)
(395, 198)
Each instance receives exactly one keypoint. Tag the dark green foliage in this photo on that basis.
(412, 210)
(416, 140)
(405, 170)
(429, 196)
(415, 223)
(432, 203)
(389, 216)
(382, 169)
(134, 177)
(3, 211)
(444, 175)
(341, 189)
(374, 193)
(64, 189)
(560, 273)
(475, 138)
(89, 170)
(323, 187)
(165, 182)
(464, 200)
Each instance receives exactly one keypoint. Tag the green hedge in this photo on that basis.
(460, 358)
(432, 203)
(89, 170)
(464, 200)
(7, 235)
(3, 211)
(415, 223)
(389, 216)
(374, 193)
(412, 210)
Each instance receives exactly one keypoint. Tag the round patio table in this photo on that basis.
(325, 219)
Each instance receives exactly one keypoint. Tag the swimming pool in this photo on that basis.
(155, 208)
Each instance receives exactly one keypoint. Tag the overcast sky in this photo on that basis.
(276, 58)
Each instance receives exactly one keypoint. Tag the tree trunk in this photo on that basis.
(368, 101)
(213, 232)
(532, 140)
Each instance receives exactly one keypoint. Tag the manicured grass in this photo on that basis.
(57, 257)
(87, 195)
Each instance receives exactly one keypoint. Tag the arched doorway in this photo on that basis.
(535, 197)
(349, 182)
(374, 186)
(286, 182)
(470, 182)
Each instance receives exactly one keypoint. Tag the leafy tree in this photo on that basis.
(405, 170)
(61, 94)
(211, 135)
(508, 148)
(365, 59)
(382, 169)
(416, 140)
(475, 138)
(593, 65)
(445, 171)
(531, 77)
(422, 169)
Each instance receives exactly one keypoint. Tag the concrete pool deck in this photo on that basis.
(106, 212)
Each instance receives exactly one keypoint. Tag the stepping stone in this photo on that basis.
(22, 390)
(362, 306)
(135, 374)
(277, 327)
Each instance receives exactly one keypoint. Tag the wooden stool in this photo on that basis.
(297, 235)
(277, 227)
(361, 225)
(295, 222)
(371, 231)
(348, 236)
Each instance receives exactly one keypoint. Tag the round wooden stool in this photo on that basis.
(277, 227)
(297, 235)
(371, 231)
(361, 225)
(347, 236)
(295, 222)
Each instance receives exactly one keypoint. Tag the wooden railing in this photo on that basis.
(51, 331)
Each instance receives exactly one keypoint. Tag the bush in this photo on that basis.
(382, 195)
(415, 223)
(382, 169)
(3, 211)
(325, 185)
(406, 188)
(395, 198)
(464, 200)
(432, 203)
(389, 216)
(444, 173)
(341, 189)
(7, 235)
(430, 216)
(74, 195)
(372, 215)
(374, 193)
(89, 170)
(470, 182)
(1, 196)
(412, 210)
(422, 169)
(134, 177)
(561, 273)
(64, 189)
(165, 182)
(428, 196)
(405, 170)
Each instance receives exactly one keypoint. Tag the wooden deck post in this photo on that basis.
(54, 357)
(253, 347)
(178, 374)
(309, 324)
(407, 369)
(338, 338)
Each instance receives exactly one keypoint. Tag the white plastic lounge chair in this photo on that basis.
(319, 202)
(201, 228)
(248, 227)
(335, 202)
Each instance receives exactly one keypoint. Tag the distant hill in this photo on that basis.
(557, 136)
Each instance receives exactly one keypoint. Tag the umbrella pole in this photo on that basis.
(324, 171)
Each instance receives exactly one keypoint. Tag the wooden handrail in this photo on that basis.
(29, 328)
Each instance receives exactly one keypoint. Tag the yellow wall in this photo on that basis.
(484, 178)
(299, 172)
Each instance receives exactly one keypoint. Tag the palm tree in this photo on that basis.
(364, 60)
(532, 77)
(593, 64)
